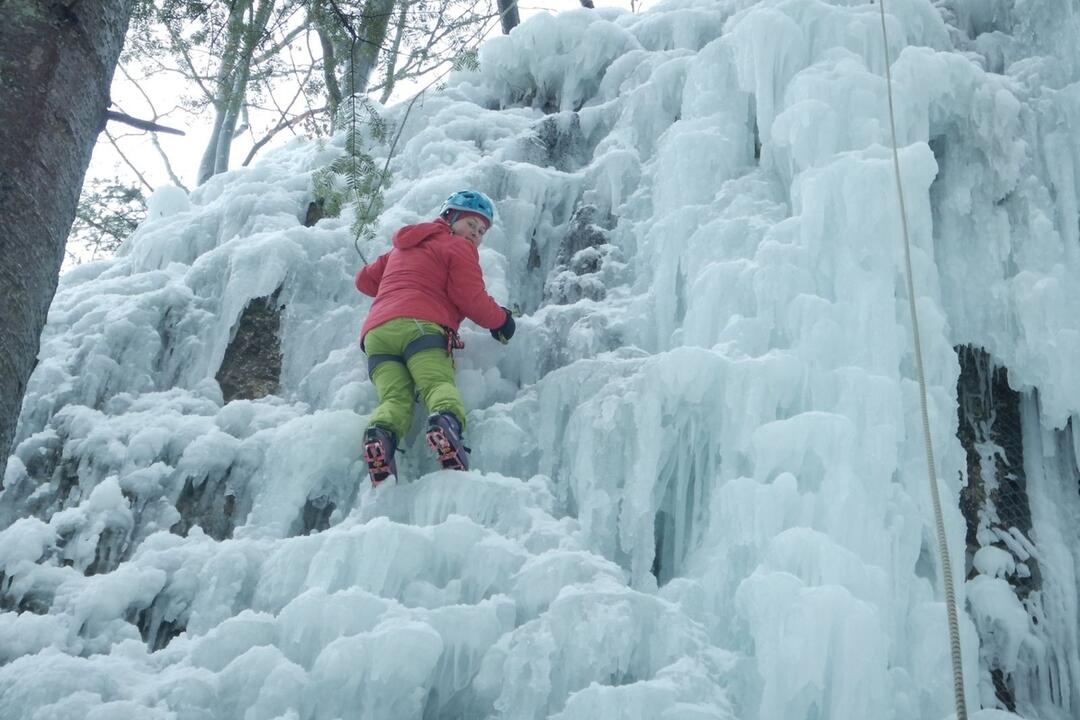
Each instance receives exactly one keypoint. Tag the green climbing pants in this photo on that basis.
(429, 374)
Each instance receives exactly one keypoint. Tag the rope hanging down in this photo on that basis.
(943, 547)
(401, 126)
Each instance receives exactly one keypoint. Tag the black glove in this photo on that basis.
(504, 332)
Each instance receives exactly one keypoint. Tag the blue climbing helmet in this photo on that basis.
(472, 201)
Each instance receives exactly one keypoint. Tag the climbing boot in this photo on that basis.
(379, 447)
(444, 437)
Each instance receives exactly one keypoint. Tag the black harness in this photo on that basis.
(428, 341)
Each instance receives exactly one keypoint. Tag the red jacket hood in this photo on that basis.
(412, 235)
(430, 274)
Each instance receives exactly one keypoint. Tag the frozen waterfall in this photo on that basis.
(700, 487)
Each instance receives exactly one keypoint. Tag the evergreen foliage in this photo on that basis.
(108, 211)
(356, 176)
(469, 60)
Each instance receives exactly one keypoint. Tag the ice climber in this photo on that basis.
(423, 288)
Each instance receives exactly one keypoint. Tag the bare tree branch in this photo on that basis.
(196, 76)
(128, 162)
(168, 165)
(283, 125)
(280, 45)
(141, 124)
(153, 135)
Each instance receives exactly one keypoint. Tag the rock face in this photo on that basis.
(252, 365)
(995, 500)
(990, 431)
(587, 263)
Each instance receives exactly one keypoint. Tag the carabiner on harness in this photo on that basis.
(449, 342)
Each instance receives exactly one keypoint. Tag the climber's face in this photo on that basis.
(471, 227)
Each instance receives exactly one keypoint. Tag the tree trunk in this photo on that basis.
(366, 50)
(223, 86)
(333, 90)
(325, 24)
(232, 83)
(508, 13)
(56, 65)
(232, 112)
(392, 52)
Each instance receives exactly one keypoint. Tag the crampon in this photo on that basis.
(444, 437)
(379, 447)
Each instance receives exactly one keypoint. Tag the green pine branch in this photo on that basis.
(356, 176)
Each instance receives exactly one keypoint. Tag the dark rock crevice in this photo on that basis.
(211, 504)
(994, 500)
(559, 143)
(251, 368)
(587, 264)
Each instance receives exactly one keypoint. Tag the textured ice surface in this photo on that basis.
(702, 489)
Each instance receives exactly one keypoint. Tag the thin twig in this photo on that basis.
(284, 124)
(128, 162)
(180, 47)
(168, 165)
(281, 44)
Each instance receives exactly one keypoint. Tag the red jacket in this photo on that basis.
(429, 274)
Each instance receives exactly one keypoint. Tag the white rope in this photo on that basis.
(943, 547)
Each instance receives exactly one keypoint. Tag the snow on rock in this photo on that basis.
(700, 486)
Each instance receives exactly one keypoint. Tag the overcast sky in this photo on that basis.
(185, 152)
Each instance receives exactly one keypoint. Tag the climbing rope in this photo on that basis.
(943, 547)
(479, 38)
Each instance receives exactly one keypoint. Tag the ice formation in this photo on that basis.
(701, 489)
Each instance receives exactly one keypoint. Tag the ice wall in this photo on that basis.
(701, 490)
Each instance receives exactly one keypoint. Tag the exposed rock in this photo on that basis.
(251, 368)
(586, 263)
(995, 498)
(995, 501)
(316, 514)
(209, 503)
(558, 142)
(316, 211)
